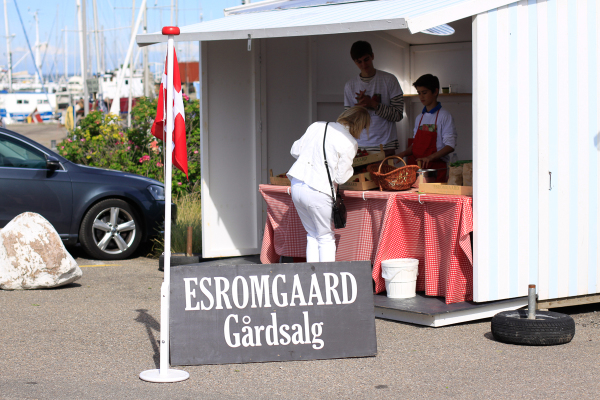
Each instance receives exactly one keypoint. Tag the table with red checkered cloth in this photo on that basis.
(384, 225)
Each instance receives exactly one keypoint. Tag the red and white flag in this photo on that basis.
(159, 127)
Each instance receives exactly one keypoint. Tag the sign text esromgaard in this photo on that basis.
(253, 313)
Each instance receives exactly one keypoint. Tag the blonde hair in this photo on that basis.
(355, 119)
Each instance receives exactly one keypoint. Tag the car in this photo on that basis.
(110, 213)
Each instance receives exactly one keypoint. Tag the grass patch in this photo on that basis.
(189, 213)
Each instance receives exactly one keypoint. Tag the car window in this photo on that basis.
(16, 154)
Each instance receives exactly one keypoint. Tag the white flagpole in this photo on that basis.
(165, 374)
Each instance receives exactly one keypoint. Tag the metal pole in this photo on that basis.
(84, 66)
(66, 56)
(189, 241)
(132, 16)
(103, 49)
(98, 67)
(130, 100)
(146, 70)
(531, 302)
(38, 62)
(8, 52)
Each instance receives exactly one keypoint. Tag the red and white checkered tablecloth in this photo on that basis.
(386, 225)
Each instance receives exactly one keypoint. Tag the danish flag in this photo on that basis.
(159, 127)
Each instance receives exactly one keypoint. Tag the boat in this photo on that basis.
(16, 107)
(135, 83)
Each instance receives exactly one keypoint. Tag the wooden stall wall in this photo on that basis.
(536, 145)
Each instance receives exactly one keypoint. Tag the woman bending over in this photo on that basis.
(311, 192)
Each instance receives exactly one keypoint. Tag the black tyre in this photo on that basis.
(110, 230)
(548, 328)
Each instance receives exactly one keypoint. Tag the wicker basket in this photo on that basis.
(389, 177)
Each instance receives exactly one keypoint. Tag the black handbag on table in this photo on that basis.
(338, 213)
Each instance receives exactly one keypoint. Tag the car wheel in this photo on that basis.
(548, 328)
(110, 230)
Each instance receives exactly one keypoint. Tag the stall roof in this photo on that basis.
(316, 18)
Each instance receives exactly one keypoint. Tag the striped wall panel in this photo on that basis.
(536, 148)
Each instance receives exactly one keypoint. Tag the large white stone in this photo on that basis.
(32, 255)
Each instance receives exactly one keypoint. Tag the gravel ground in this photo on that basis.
(91, 339)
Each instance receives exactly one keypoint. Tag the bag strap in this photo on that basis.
(327, 166)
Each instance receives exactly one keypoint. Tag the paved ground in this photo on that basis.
(91, 340)
(41, 133)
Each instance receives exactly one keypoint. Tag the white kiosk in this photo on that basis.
(527, 114)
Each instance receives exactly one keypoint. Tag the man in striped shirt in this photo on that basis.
(381, 94)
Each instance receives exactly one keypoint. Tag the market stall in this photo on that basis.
(526, 110)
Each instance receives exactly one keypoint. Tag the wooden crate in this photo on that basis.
(364, 182)
(275, 180)
(443, 188)
(370, 159)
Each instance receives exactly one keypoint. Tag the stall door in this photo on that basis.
(230, 149)
(536, 149)
(505, 153)
(569, 146)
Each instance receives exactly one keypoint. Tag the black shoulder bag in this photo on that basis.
(338, 212)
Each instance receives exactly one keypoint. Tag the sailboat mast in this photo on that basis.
(38, 62)
(8, 53)
(98, 66)
(81, 57)
(102, 49)
(83, 47)
(66, 54)
(146, 71)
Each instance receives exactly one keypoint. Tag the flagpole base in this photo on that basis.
(170, 375)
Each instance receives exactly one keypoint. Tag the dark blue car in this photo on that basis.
(109, 212)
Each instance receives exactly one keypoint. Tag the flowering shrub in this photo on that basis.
(100, 141)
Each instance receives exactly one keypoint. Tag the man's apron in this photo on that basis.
(424, 144)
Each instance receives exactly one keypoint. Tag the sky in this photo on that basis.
(58, 18)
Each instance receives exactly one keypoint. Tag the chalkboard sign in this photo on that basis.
(276, 312)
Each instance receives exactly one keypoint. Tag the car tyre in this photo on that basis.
(110, 230)
(548, 328)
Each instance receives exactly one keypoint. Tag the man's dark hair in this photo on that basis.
(360, 49)
(429, 81)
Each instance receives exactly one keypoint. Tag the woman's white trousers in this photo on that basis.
(314, 209)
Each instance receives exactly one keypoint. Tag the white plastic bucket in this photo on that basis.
(400, 276)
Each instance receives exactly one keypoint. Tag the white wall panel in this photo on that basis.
(537, 77)
(229, 138)
(287, 99)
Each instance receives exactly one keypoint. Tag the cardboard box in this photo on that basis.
(370, 159)
(443, 188)
(364, 182)
(276, 180)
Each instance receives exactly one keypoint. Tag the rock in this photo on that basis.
(32, 255)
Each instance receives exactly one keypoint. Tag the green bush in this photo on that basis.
(100, 141)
